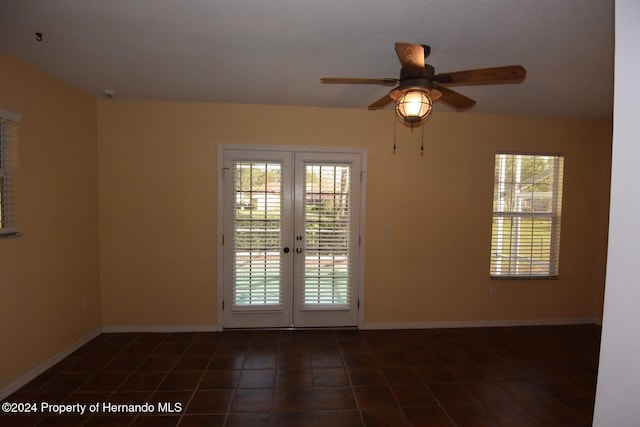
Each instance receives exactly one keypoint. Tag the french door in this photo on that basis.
(291, 238)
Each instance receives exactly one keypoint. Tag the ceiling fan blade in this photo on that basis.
(340, 80)
(410, 55)
(455, 99)
(505, 74)
(380, 103)
(435, 94)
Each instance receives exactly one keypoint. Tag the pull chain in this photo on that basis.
(394, 134)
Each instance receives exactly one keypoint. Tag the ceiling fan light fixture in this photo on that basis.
(414, 105)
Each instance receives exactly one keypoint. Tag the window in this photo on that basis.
(527, 200)
(8, 130)
(328, 233)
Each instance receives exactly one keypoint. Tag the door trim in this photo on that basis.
(220, 214)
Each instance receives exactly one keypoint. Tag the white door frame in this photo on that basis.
(220, 214)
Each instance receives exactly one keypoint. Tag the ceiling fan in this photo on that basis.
(418, 76)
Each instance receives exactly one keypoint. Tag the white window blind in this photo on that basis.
(257, 235)
(327, 238)
(527, 201)
(8, 165)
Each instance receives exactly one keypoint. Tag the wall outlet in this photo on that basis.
(493, 291)
(83, 303)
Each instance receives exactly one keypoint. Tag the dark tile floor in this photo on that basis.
(525, 376)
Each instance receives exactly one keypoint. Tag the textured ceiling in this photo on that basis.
(275, 51)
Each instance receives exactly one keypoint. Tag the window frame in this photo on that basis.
(8, 211)
(554, 216)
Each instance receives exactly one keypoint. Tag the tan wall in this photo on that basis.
(158, 182)
(45, 272)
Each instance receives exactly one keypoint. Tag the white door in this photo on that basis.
(291, 238)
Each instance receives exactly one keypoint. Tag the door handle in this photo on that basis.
(298, 250)
(286, 250)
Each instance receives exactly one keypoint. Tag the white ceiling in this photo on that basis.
(276, 51)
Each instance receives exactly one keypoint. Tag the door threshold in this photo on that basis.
(296, 328)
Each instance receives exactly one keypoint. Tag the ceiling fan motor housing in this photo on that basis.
(414, 78)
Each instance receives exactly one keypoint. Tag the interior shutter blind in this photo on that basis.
(327, 239)
(8, 176)
(257, 235)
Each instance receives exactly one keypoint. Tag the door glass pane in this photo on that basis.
(257, 232)
(327, 234)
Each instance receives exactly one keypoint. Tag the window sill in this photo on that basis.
(9, 232)
(524, 277)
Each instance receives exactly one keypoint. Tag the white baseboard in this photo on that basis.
(30, 376)
(385, 325)
(160, 328)
(482, 323)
